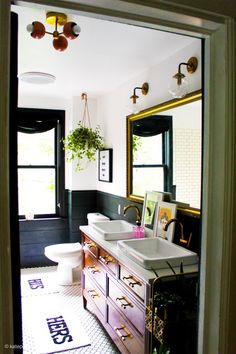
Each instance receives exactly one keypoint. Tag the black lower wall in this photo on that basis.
(36, 234)
(107, 204)
(80, 203)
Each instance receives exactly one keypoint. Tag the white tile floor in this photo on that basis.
(68, 296)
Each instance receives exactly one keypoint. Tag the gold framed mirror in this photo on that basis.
(164, 150)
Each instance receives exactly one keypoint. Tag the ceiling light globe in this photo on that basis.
(71, 30)
(30, 27)
(178, 91)
(134, 108)
(60, 43)
(76, 29)
(37, 30)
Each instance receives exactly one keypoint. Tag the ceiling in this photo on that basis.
(104, 56)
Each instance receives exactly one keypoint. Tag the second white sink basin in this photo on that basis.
(114, 229)
(156, 252)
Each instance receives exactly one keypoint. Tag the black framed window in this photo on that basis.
(41, 164)
(152, 154)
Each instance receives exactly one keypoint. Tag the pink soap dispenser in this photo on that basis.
(138, 231)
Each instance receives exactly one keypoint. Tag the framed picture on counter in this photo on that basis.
(105, 165)
(164, 212)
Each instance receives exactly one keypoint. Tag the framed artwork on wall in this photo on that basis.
(164, 212)
(105, 165)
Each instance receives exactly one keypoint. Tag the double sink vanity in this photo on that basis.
(118, 275)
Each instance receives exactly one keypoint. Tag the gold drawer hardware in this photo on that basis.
(106, 259)
(90, 244)
(132, 283)
(94, 269)
(123, 336)
(93, 293)
(124, 304)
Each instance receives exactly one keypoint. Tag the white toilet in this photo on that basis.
(95, 217)
(69, 259)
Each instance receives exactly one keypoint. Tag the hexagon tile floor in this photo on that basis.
(67, 296)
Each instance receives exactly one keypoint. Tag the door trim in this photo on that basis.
(219, 183)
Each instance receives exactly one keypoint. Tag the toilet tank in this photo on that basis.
(95, 217)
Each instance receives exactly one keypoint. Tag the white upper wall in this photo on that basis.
(85, 179)
(113, 109)
(110, 111)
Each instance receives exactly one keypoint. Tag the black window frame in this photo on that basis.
(166, 130)
(27, 119)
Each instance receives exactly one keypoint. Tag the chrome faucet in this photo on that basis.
(138, 214)
(181, 239)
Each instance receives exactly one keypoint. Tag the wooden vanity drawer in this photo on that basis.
(108, 261)
(94, 268)
(123, 332)
(128, 307)
(95, 295)
(90, 246)
(132, 282)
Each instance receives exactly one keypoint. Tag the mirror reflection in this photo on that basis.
(164, 150)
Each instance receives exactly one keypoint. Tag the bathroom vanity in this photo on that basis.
(118, 291)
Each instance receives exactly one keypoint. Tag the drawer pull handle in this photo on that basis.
(123, 336)
(124, 304)
(127, 278)
(106, 259)
(132, 283)
(94, 269)
(93, 293)
(90, 244)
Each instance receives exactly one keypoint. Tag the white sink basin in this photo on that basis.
(114, 229)
(156, 252)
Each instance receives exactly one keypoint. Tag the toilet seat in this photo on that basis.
(63, 248)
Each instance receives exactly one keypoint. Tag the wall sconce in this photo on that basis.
(134, 107)
(179, 84)
(70, 30)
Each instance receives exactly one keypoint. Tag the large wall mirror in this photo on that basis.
(164, 150)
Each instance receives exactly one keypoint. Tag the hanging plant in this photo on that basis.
(83, 142)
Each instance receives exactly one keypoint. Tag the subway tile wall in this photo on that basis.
(187, 165)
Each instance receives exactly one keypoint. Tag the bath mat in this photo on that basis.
(55, 327)
(36, 284)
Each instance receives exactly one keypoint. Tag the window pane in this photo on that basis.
(36, 191)
(147, 150)
(36, 149)
(147, 179)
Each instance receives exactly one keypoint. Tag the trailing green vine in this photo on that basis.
(136, 143)
(82, 144)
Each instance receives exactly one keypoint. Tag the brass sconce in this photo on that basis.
(179, 84)
(134, 108)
